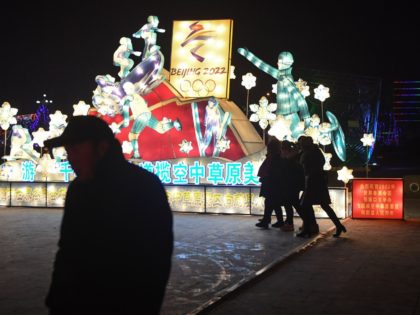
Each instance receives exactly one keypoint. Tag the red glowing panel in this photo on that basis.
(378, 198)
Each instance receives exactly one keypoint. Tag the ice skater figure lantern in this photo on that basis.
(291, 103)
(124, 98)
(216, 122)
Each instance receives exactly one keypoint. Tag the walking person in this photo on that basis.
(268, 186)
(316, 189)
(116, 238)
(292, 182)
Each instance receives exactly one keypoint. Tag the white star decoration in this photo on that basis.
(249, 81)
(223, 144)
(81, 109)
(58, 120)
(367, 139)
(7, 115)
(322, 93)
(345, 174)
(263, 113)
(185, 146)
(40, 136)
(280, 128)
(127, 147)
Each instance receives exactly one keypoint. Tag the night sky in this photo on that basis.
(59, 47)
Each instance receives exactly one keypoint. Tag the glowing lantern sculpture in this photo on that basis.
(291, 103)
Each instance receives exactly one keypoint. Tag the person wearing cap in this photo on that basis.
(116, 238)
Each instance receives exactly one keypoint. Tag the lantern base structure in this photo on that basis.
(205, 199)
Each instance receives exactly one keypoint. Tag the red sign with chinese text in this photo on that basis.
(375, 198)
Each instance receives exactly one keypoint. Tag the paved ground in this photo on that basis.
(224, 265)
(374, 269)
(212, 254)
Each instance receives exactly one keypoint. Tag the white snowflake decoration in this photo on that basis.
(263, 113)
(322, 93)
(280, 128)
(58, 120)
(345, 174)
(40, 136)
(185, 146)
(223, 144)
(249, 81)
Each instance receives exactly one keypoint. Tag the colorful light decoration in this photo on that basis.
(322, 93)
(248, 81)
(81, 109)
(345, 175)
(185, 146)
(367, 141)
(263, 113)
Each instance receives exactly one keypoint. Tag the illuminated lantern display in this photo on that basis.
(178, 124)
(200, 60)
(291, 102)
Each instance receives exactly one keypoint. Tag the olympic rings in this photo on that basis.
(198, 86)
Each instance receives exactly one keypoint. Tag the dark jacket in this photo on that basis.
(116, 243)
(316, 186)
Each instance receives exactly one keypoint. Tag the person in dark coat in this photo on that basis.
(316, 188)
(291, 182)
(116, 238)
(269, 188)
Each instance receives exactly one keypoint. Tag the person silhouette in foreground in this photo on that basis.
(316, 189)
(116, 238)
(269, 183)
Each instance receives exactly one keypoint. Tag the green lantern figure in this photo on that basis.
(290, 102)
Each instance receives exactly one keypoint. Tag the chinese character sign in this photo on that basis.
(200, 59)
(378, 198)
(214, 173)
